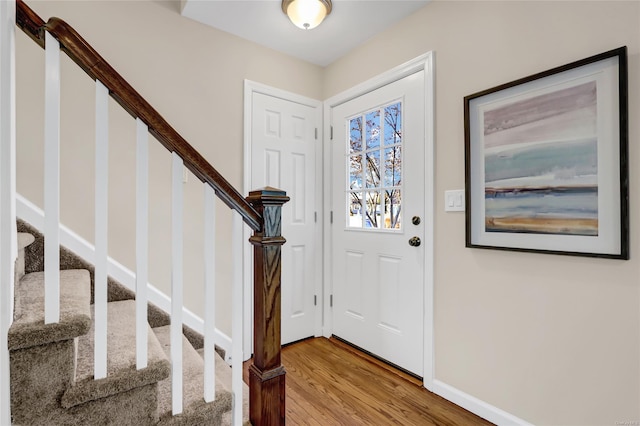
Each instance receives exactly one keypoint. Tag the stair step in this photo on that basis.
(195, 410)
(122, 374)
(25, 239)
(28, 328)
(223, 375)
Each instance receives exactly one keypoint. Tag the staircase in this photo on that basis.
(52, 365)
(80, 349)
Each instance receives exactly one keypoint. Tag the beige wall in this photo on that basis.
(193, 75)
(550, 339)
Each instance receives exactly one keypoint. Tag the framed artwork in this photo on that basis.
(546, 167)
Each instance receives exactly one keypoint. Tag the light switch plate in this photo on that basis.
(454, 200)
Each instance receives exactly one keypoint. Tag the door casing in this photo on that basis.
(424, 62)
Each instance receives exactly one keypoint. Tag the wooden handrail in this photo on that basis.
(122, 92)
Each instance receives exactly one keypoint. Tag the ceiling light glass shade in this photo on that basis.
(306, 14)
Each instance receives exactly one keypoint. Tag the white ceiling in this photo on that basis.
(350, 23)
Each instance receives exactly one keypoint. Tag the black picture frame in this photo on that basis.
(546, 161)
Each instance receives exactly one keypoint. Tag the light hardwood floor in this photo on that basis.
(331, 383)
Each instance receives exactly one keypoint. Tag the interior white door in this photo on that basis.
(377, 188)
(283, 156)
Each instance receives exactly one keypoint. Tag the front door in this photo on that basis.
(283, 156)
(378, 205)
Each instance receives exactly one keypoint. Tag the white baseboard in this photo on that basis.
(33, 215)
(475, 405)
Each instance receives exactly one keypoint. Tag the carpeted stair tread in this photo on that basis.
(195, 410)
(122, 374)
(28, 328)
(25, 239)
(223, 376)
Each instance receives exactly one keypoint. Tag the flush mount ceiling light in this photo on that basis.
(306, 14)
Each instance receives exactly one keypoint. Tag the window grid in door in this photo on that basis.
(374, 164)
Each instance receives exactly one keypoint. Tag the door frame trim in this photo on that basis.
(251, 87)
(424, 63)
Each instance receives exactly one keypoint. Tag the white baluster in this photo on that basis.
(101, 230)
(7, 193)
(209, 293)
(176, 286)
(142, 240)
(236, 325)
(52, 179)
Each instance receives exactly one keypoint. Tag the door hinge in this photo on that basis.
(315, 217)
(331, 133)
(331, 216)
(316, 133)
(315, 300)
(331, 301)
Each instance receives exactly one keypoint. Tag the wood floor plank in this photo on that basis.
(331, 383)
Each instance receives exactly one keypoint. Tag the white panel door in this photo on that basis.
(283, 156)
(377, 189)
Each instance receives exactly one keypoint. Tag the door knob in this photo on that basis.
(414, 241)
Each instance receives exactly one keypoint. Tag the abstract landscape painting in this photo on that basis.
(541, 163)
(547, 163)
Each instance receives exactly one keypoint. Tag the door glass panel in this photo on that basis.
(393, 166)
(373, 210)
(355, 172)
(373, 129)
(376, 168)
(355, 209)
(355, 135)
(393, 124)
(373, 169)
(393, 209)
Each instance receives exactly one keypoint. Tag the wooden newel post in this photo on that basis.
(266, 374)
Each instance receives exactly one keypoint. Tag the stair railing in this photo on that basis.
(261, 211)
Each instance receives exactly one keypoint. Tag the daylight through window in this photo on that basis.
(374, 162)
